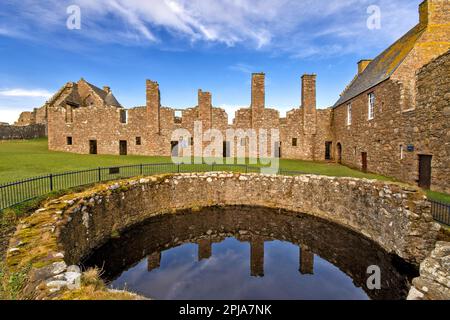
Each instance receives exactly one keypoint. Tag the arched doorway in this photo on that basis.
(339, 152)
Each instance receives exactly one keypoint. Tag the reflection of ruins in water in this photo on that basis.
(345, 249)
(306, 257)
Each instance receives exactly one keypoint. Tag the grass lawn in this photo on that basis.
(21, 159)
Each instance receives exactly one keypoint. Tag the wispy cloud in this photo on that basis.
(299, 28)
(242, 67)
(35, 93)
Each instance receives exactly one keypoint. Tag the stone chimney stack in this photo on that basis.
(153, 105)
(362, 65)
(309, 104)
(309, 92)
(258, 91)
(205, 108)
(106, 89)
(434, 12)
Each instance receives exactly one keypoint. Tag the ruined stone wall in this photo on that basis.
(26, 118)
(32, 131)
(100, 123)
(323, 134)
(37, 116)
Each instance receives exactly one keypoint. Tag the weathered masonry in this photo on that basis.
(392, 119)
(76, 224)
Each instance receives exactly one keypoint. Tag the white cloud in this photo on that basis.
(300, 28)
(9, 115)
(35, 93)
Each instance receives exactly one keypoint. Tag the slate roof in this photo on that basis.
(382, 67)
(110, 100)
(102, 94)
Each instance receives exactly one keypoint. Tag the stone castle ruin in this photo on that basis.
(392, 119)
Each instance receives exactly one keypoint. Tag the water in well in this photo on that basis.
(248, 253)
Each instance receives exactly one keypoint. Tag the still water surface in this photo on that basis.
(248, 253)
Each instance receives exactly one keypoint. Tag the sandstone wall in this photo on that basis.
(23, 132)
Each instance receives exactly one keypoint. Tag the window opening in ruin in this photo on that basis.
(349, 114)
(371, 107)
(69, 141)
(123, 116)
(138, 141)
(294, 142)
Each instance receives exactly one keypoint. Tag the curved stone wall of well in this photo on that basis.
(394, 216)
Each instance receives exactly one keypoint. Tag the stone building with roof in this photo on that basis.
(392, 119)
(383, 122)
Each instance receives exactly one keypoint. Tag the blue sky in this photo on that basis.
(185, 45)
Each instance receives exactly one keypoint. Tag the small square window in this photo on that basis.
(294, 142)
(138, 141)
(69, 141)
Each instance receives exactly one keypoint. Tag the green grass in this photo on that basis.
(441, 197)
(21, 159)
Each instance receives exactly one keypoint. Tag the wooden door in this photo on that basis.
(93, 146)
(328, 150)
(425, 171)
(123, 148)
(364, 161)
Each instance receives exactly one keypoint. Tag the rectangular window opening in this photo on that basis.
(371, 107)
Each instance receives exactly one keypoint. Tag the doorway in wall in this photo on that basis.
(226, 149)
(123, 148)
(364, 161)
(328, 146)
(92, 146)
(277, 150)
(174, 148)
(425, 171)
(339, 152)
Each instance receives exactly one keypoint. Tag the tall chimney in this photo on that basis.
(106, 89)
(434, 12)
(153, 105)
(309, 92)
(205, 108)
(362, 65)
(258, 91)
(309, 104)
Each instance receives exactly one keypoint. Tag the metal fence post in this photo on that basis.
(51, 181)
(142, 169)
(99, 174)
(178, 168)
(246, 168)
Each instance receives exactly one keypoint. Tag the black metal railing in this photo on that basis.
(441, 212)
(18, 192)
